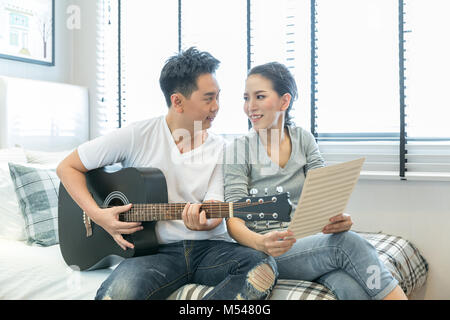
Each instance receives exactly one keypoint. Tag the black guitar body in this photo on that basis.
(87, 246)
(99, 250)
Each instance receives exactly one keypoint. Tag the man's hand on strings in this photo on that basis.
(108, 219)
(196, 220)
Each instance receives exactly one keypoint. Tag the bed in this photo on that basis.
(40, 123)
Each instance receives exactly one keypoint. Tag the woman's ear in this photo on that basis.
(177, 102)
(285, 101)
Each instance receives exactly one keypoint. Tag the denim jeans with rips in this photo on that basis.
(344, 262)
(235, 271)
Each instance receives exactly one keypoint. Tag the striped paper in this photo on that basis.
(325, 194)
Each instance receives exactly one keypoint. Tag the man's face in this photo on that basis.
(203, 104)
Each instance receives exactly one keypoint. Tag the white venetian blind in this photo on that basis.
(219, 27)
(427, 70)
(107, 67)
(149, 36)
(280, 31)
(357, 85)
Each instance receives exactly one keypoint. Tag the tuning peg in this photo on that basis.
(266, 192)
(279, 189)
(253, 192)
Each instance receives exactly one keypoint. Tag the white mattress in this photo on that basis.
(40, 273)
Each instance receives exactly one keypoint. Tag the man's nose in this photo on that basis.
(215, 105)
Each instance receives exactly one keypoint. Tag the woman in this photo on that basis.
(276, 153)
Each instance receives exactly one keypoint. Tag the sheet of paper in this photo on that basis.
(325, 194)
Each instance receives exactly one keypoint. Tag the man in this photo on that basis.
(196, 249)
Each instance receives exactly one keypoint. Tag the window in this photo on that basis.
(14, 39)
(280, 31)
(372, 74)
(107, 94)
(18, 20)
(357, 84)
(427, 70)
(219, 27)
(149, 36)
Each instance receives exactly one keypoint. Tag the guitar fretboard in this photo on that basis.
(172, 211)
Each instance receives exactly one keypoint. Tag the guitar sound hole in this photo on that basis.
(116, 199)
(115, 203)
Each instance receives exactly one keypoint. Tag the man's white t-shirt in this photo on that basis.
(194, 176)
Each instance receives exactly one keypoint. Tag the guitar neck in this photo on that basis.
(173, 211)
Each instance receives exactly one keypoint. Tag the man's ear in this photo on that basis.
(286, 100)
(177, 102)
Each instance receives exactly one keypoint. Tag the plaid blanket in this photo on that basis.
(400, 256)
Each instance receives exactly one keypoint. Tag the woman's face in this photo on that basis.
(263, 105)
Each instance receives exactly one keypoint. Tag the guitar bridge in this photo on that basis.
(87, 224)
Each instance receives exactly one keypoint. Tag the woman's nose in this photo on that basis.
(251, 105)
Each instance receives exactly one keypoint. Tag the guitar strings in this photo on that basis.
(225, 205)
(216, 206)
(215, 210)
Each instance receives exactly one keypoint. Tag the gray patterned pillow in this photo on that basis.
(37, 193)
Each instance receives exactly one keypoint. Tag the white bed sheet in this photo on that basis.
(40, 273)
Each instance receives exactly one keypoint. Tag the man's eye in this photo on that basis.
(245, 98)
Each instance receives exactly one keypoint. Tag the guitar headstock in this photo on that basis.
(276, 207)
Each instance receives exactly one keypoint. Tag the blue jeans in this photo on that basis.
(344, 262)
(235, 271)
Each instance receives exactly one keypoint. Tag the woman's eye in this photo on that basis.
(259, 97)
(245, 98)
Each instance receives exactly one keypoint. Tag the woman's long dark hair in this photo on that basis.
(282, 82)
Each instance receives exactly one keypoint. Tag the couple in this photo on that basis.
(200, 250)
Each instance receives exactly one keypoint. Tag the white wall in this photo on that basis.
(84, 56)
(418, 211)
(62, 71)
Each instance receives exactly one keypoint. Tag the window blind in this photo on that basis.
(372, 75)
(356, 82)
(107, 84)
(280, 31)
(149, 36)
(426, 72)
(219, 27)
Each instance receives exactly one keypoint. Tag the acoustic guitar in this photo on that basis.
(87, 246)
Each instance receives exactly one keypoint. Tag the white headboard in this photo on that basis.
(41, 115)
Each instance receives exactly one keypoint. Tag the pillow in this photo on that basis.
(12, 224)
(46, 158)
(16, 155)
(37, 193)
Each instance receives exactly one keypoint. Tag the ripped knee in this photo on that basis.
(260, 281)
(262, 277)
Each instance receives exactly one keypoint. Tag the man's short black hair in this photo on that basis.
(181, 71)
